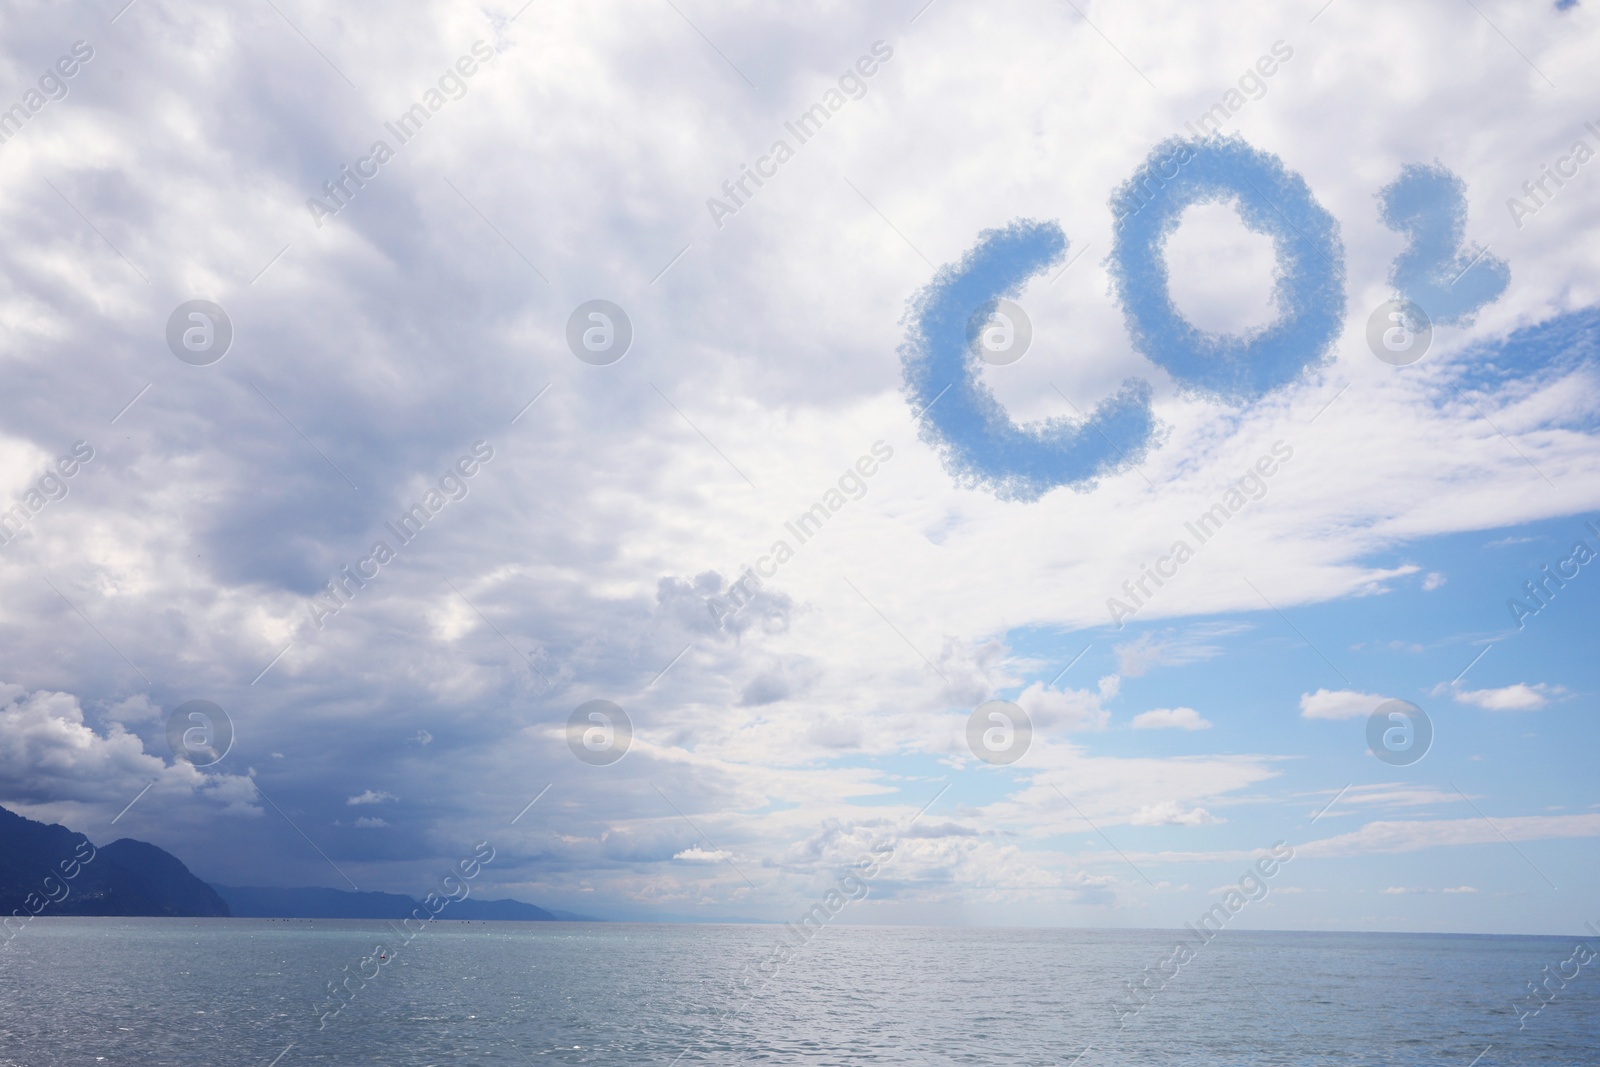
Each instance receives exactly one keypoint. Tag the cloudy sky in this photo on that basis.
(788, 336)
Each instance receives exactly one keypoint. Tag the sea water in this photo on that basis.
(254, 992)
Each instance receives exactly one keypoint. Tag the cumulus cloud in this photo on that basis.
(701, 855)
(48, 752)
(50, 756)
(1518, 697)
(972, 670)
(1171, 813)
(1069, 709)
(1338, 704)
(371, 796)
(1170, 719)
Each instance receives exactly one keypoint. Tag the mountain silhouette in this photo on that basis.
(46, 869)
(256, 902)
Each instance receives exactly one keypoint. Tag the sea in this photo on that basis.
(254, 993)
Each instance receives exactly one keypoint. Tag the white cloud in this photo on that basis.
(701, 855)
(1432, 580)
(1394, 836)
(47, 751)
(1519, 697)
(49, 756)
(1170, 718)
(1171, 813)
(1069, 709)
(1389, 794)
(1415, 836)
(1396, 890)
(368, 823)
(371, 797)
(1338, 704)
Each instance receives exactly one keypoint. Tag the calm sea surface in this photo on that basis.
(194, 993)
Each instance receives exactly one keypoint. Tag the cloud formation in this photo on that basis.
(1338, 704)
(1518, 697)
(595, 554)
(1170, 719)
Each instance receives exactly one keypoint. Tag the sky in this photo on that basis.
(1028, 292)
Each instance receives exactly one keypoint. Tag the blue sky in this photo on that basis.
(1202, 341)
(1245, 673)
